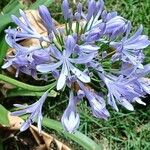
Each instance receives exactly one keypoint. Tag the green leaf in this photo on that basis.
(9, 9)
(40, 2)
(12, 6)
(28, 87)
(23, 92)
(9, 6)
(3, 50)
(4, 116)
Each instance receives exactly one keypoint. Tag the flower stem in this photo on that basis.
(26, 86)
(111, 53)
(77, 28)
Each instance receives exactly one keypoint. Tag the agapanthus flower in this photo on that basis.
(25, 30)
(82, 53)
(136, 78)
(120, 91)
(66, 62)
(66, 10)
(35, 111)
(79, 12)
(26, 58)
(130, 49)
(97, 103)
(47, 19)
(70, 119)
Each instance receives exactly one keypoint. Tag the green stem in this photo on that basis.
(22, 92)
(26, 86)
(77, 28)
(57, 44)
(66, 27)
(111, 53)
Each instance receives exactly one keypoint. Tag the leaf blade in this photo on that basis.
(4, 121)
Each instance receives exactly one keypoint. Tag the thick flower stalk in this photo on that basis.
(80, 56)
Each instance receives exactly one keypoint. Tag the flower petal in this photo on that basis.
(83, 59)
(69, 45)
(45, 68)
(80, 75)
(63, 76)
(126, 104)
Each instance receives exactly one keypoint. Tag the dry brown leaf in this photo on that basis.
(15, 122)
(47, 139)
(4, 87)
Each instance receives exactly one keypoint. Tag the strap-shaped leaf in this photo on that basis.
(23, 92)
(3, 49)
(25, 86)
(4, 116)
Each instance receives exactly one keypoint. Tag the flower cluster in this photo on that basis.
(81, 57)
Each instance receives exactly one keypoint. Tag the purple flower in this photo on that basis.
(70, 119)
(25, 30)
(86, 49)
(129, 49)
(95, 33)
(99, 7)
(97, 103)
(65, 10)
(47, 19)
(91, 9)
(18, 62)
(65, 61)
(26, 58)
(35, 111)
(79, 12)
(120, 91)
(79, 58)
(136, 78)
(115, 26)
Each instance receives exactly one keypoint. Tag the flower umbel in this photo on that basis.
(93, 56)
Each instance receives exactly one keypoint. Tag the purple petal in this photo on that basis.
(45, 68)
(55, 52)
(83, 59)
(91, 9)
(126, 104)
(65, 9)
(63, 76)
(70, 119)
(21, 24)
(80, 75)
(46, 18)
(69, 45)
(138, 33)
(111, 101)
(139, 43)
